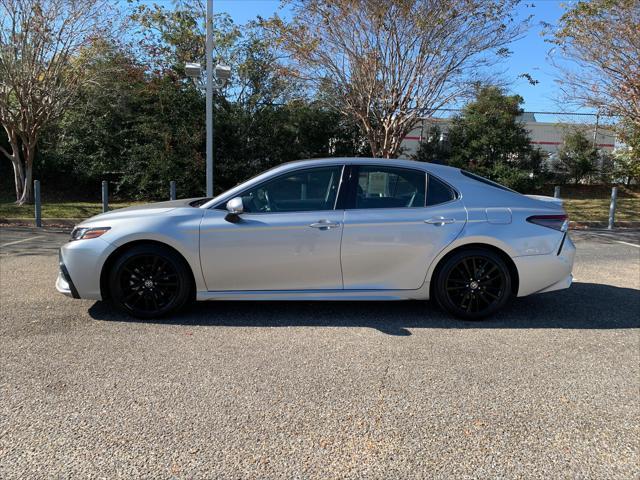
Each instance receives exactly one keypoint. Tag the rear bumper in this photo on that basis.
(546, 273)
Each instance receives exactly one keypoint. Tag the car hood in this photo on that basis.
(144, 210)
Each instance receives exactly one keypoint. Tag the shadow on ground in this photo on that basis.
(583, 306)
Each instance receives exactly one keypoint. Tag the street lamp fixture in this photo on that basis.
(221, 77)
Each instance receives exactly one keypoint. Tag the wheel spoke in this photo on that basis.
(149, 283)
(475, 284)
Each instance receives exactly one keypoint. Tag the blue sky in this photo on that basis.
(529, 53)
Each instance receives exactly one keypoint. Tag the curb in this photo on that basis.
(61, 223)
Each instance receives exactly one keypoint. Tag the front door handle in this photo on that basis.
(439, 221)
(324, 225)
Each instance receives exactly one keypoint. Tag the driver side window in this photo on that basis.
(297, 191)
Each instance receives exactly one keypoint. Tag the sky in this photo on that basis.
(529, 53)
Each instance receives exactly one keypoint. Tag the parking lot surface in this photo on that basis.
(549, 388)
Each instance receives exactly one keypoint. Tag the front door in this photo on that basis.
(287, 239)
(395, 224)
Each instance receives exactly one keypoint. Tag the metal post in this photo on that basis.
(612, 207)
(172, 190)
(209, 97)
(105, 196)
(36, 196)
(556, 192)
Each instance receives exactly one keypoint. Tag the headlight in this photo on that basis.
(87, 233)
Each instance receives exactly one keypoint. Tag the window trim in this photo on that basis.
(340, 166)
(353, 186)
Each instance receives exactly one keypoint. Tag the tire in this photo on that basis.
(150, 281)
(473, 284)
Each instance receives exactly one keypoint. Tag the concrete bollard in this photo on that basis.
(612, 207)
(172, 190)
(37, 202)
(105, 196)
(556, 192)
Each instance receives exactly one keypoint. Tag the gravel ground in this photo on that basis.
(547, 389)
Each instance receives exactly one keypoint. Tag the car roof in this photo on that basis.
(397, 162)
(443, 171)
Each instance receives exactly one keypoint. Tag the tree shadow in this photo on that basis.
(583, 306)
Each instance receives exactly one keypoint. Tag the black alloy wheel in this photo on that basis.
(149, 281)
(473, 284)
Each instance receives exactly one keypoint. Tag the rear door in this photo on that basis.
(396, 221)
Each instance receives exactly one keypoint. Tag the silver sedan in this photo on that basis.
(331, 229)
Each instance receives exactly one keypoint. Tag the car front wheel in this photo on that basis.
(149, 281)
(473, 284)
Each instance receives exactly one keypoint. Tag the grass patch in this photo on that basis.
(83, 210)
(597, 209)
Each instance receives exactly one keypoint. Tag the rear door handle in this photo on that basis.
(324, 225)
(439, 221)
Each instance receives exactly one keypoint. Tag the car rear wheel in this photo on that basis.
(149, 281)
(473, 284)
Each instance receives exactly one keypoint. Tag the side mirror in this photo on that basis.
(235, 207)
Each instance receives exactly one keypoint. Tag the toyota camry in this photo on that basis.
(330, 229)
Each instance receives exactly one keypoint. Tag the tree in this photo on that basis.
(577, 157)
(434, 148)
(626, 160)
(601, 39)
(489, 131)
(41, 70)
(390, 62)
(135, 129)
(488, 137)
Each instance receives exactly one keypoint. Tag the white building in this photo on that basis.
(546, 136)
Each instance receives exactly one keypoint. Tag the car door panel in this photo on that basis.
(392, 248)
(390, 237)
(272, 252)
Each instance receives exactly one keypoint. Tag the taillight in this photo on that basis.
(557, 222)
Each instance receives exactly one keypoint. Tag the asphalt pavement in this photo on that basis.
(549, 388)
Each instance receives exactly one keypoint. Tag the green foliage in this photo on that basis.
(134, 130)
(626, 160)
(435, 148)
(488, 138)
(489, 132)
(139, 131)
(577, 157)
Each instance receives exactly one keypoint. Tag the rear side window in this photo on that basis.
(389, 187)
(438, 192)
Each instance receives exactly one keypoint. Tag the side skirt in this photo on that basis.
(334, 295)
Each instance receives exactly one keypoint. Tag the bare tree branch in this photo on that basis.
(388, 62)
(598, 56)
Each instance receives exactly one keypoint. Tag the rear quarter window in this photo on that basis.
(438, 192)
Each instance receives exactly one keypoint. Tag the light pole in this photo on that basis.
(221, 76)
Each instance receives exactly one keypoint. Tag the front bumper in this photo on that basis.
(64, 284)
(80, 267)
